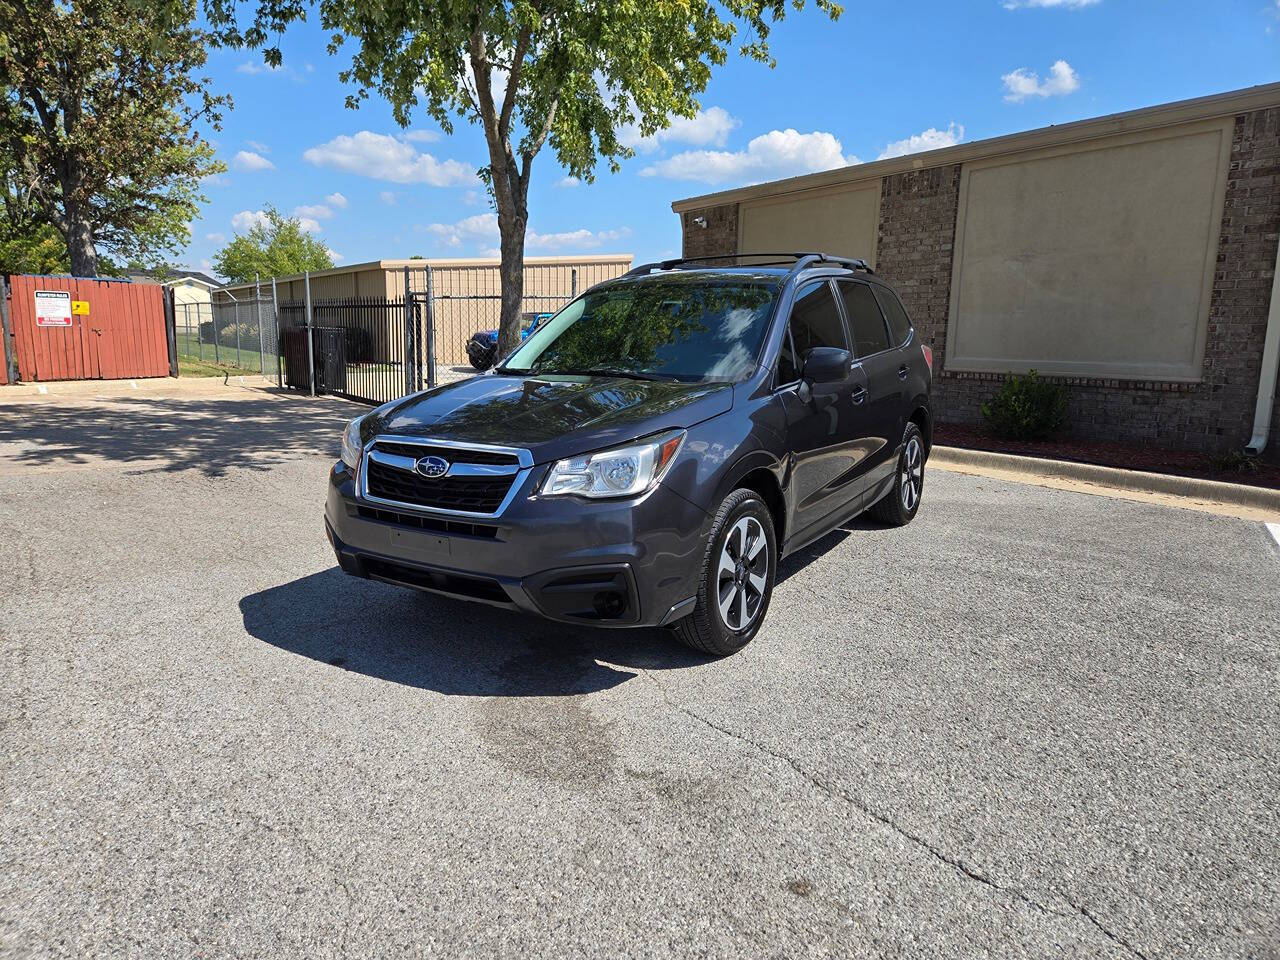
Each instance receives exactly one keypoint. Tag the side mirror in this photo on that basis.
(826, 365)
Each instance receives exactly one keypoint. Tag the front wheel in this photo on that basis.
(737, 578)
(898, 507)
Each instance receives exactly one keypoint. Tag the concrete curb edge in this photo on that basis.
(1234, 494)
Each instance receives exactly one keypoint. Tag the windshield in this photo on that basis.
(678, 328)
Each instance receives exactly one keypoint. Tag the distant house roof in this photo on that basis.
(170, 276)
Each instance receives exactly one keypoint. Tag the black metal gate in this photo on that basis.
(377, 349)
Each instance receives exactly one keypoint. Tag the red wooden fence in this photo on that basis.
(116, 330)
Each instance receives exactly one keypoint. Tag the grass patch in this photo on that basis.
(191, 367)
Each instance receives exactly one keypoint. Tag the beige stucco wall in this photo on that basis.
(1090, 259)
(841, 220)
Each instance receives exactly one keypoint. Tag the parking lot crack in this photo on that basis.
(884, 820)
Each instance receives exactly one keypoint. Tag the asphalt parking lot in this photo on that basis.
(1033, 723)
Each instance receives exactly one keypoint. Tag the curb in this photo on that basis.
(137, 386)
(1232, 494)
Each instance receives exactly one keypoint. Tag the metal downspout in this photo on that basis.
(1267, 376)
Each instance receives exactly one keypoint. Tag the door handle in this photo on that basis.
(903, 371)
(858, 395)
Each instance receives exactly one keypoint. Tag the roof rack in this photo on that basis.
(798, 262)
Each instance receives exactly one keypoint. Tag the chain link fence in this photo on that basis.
(370, 349)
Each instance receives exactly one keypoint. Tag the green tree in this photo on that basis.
(530, 72)
(100, 102)
(272, 249)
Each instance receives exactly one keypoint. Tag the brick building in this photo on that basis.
(1131, 257)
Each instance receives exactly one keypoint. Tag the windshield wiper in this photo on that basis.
(604, 372)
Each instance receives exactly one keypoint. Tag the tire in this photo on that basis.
(481, 359)
(743, 518)
(898, 507)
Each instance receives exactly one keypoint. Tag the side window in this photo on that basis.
(869, 332)
(899, 322)
(815, 322)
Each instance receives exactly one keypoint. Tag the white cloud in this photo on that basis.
(336, 200)
(573, 239)
(1023, 83)
(316, 211)
(388, 197)
(568, 182)
(483, 227)
(421, 136)
(335, 256)
(931, 139)
(253, 67)
(384, 157)
(249, 161)
(248, 219)
(259, 146)
(770, 156)
(218, 238)
(309, 224)
(710, 128)
(1067, 4)
(481, 230)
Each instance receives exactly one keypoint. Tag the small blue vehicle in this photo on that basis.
(482, 348)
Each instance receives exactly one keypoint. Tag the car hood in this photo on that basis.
(552, 417)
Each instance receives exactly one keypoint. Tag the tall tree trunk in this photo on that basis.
(84, 257)
(77, 229)
(511, 271)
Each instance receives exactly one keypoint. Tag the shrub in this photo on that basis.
(1234, 461)
(1027, 408)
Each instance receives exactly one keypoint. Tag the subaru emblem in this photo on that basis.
(432, 467)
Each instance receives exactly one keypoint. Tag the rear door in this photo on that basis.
(825, 421)
(874, 353)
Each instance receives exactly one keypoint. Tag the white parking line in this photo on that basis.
(1274, 530)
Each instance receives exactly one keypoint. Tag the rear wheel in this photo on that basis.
(898, 507)
(737, 578)
(481, 357)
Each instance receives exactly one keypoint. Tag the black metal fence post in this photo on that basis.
(275, 320)
(10, 357)
(410, 379)
(311, 346)
(431, 331)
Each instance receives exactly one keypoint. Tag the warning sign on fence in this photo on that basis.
(53, 308)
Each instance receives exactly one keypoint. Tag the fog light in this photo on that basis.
(609, 604)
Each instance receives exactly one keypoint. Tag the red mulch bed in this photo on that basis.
(1156, 460)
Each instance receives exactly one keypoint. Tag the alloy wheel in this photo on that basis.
(743, 574)
(912, 474)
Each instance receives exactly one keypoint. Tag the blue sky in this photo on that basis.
(888, 77)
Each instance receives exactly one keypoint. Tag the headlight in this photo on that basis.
(351, 445)
(621, 472)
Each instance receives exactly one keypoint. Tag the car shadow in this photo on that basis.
(460, 648)
(450, 646)
(156, 434)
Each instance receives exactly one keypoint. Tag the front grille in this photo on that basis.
(471, 494)
(437, 524)
(452, 454)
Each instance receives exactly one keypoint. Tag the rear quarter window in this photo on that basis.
(899, 322)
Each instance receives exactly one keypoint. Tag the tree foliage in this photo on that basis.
(97, 122)
(567, 73)
(275, 248)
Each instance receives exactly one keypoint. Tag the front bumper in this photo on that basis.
(608, 563)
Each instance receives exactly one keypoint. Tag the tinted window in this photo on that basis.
(869, 333)
(815, 322)
(686, 328)
(899, 322)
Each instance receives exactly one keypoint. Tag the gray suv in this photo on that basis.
(649, 454)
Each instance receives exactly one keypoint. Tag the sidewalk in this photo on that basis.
(151, 387)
